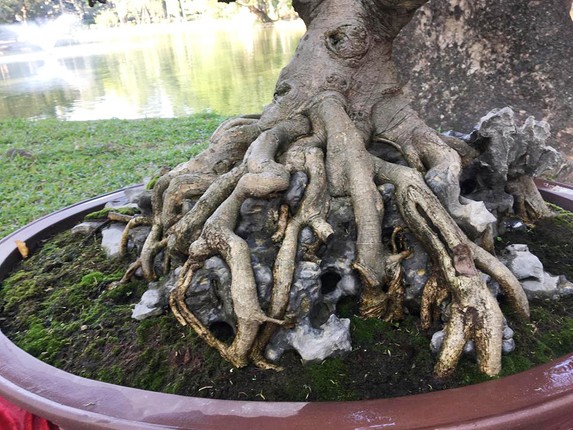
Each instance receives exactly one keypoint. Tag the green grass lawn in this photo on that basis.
(49, 164)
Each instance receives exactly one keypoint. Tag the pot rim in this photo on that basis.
(541, 397)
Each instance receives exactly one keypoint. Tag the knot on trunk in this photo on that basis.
(349, 42)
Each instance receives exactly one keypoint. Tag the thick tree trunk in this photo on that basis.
(336, 105)
(463, 58)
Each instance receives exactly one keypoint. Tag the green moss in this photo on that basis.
(103, 213)
(515, 363)
(152, 182)
(468, 372)
(329, 380)
(366, 331)
(40, 341)
(18, 292)
(112, 375)
(58, 304)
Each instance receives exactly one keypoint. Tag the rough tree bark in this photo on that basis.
(463, 57)
(335, 105)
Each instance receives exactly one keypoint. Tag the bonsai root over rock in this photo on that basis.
(340, 130)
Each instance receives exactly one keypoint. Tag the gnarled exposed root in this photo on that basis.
(228, 145)
(529, 204)
(351, 172)
(433, 295)
(336, 164)
(475, 313)
(134, 222)
(312, 212)
(188, 228)
(153, 244)
(186, 317)
(393, 304)
(183, 187)
(442, 164)
(260, 177)
(347, 169)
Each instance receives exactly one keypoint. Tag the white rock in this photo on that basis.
(111, 238)
(150, 305)
(507, 333)
(437, 340)
(507, 346)
(522, 263)
(313, 344)
(528, 269)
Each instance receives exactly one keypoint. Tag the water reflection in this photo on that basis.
(149, 72)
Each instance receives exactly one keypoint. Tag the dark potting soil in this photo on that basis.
(57, 306)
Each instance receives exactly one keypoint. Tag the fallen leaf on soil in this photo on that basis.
(22, 248)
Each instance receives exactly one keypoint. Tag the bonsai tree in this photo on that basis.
(341, 121)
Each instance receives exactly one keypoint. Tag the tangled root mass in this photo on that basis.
(339, 128)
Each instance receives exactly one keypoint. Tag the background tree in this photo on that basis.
(463, 58)
(16, 11)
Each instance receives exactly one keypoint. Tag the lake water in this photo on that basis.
(148, 72)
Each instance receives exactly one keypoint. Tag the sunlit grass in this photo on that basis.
(49, 164)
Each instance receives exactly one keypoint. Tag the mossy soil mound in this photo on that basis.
(57, 306)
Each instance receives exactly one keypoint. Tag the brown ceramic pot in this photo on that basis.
(541, 398)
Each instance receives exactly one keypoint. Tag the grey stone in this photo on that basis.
(340, 212)
(349, 285)
(539, 156)
(339, 255)
(137, 237)
(134, 194)
(154, 301)
(313, 344)
(416, 272)
(111, 238)
(295, 191)
(307, 236)
(148, 306)
(209, 294)
(528, 269)
(140, 197)
(470, 348)
(305, 292)
(120, 202)
(522, 263)
(387, 191)
(492, 285)
(437, 341)
(507, 333)
(264, 280)
(392, 216)
(256, 214)
(187, 205)
(507, 152)
(507, 346)
(86, 228)
(564, 287)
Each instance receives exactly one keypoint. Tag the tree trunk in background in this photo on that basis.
(465, 57)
